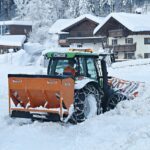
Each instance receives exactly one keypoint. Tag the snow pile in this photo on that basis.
(33, 48)
(133, 70)
(18, 58)
(137, 107)
(131, 63)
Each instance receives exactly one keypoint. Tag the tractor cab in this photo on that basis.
(77, 63)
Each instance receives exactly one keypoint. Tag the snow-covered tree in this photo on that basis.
(6, 9)
(73, 8)
(87, 6)
(22, 7)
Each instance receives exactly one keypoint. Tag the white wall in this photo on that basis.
(121, 41)
(141, 48)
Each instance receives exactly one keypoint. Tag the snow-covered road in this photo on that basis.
(125, 128)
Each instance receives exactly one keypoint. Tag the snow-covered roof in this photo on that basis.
(12, 40)
(16, 22)
(88, 16)
(134, 22)
(62, 24)
(59, 25)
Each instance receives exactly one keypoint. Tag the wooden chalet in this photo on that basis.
(15, 27)
(14, 42)
(79, 33)
(13, 34)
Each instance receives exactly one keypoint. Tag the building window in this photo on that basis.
(129, 55)
(146, 40)
(129, 40)
(79, 45)
(146, 55)
(114, 42)
(63, 36)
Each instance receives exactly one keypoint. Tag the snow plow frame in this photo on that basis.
(32, 91)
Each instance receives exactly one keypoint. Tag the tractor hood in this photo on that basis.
(82, 81)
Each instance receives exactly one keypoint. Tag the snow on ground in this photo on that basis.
(136, 70)
(125, 128)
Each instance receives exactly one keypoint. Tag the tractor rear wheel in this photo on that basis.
(87, 103)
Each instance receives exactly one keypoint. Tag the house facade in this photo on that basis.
(79, 33)
(128, 35)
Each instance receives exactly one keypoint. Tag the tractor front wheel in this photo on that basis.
(87, 103)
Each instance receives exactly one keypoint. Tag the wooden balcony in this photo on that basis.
(86, 39)
(117, 33)
(123, 48)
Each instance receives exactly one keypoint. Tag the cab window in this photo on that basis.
(91, 70)
(57, 66)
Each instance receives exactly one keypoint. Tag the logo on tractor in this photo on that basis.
(67, 84)
(52, 82)
(59, 55)
(16, 81)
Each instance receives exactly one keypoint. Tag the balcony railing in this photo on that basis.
(123, 48)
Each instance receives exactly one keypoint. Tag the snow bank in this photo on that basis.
(133, 70)
(131, 63)
(17, 58)
(137, 107)
(33, 48)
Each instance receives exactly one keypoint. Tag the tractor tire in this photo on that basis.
(87, 103)
(114, 99)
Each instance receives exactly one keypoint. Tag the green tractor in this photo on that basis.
(92, 93)
(76, 87)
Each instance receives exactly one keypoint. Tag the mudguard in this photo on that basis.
(81, 82)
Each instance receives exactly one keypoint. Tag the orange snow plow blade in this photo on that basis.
(40, 94)
(131, 89)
